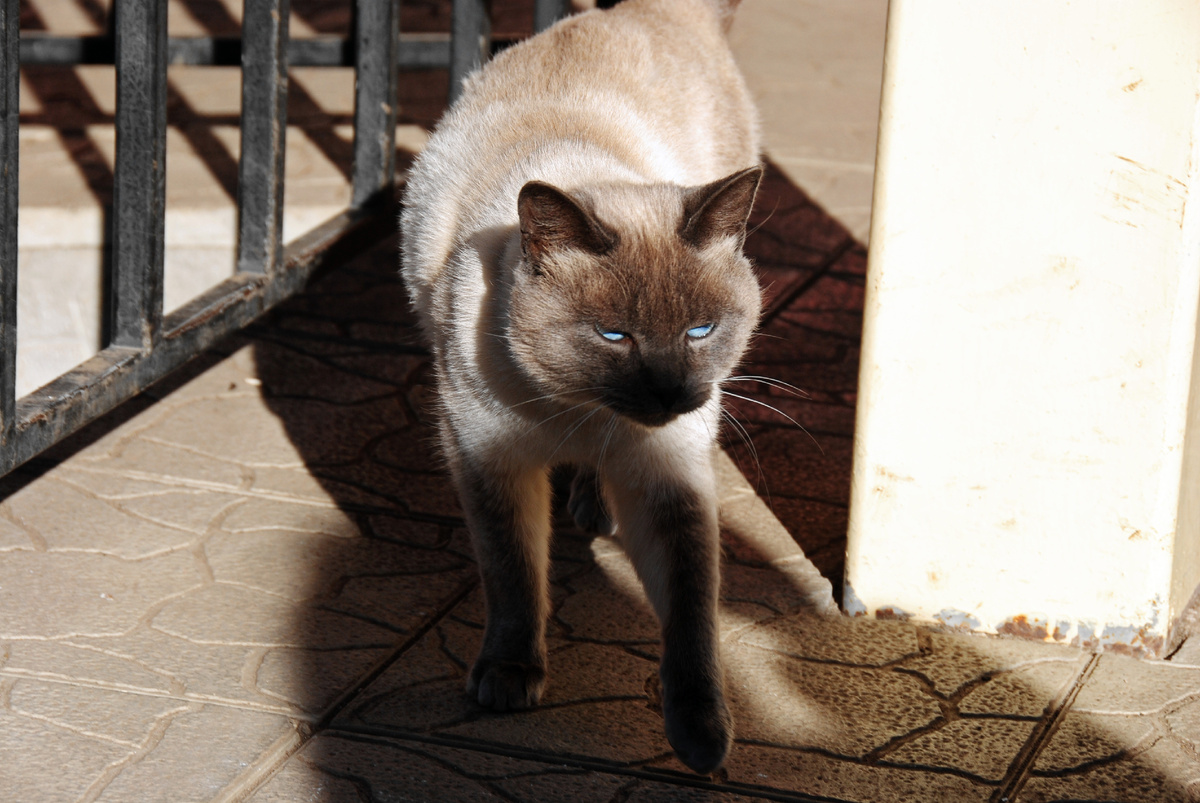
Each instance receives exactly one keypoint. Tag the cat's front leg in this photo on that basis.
(670, 532)
(508, 515)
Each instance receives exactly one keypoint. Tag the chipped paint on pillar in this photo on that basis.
(959, 620)
(1144, 641)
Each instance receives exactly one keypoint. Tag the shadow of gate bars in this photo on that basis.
(141, 344)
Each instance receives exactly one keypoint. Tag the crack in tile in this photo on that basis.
(863, 761)
(1142, 746)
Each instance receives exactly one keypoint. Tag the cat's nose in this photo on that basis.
(669, 396)
(677, 398)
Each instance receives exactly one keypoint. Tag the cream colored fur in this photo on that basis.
(625, 100)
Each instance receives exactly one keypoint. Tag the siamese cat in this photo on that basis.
(572, 242)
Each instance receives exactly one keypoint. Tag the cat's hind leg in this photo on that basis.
(669, 529)
(586, 503)
(509, 519)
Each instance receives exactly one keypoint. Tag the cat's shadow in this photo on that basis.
(393, 614)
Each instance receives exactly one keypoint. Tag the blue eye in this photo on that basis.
(697, 332)
(615, 337)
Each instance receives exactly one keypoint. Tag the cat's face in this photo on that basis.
(645, 317)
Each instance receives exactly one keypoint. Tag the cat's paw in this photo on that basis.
(587, 506)
(504, 685)
(700, 730)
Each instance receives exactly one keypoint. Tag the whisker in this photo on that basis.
(761, 480)
(778, 411)
(775, 383)
(558, 395)
(770, 215)
(564, 412)
(612, 428)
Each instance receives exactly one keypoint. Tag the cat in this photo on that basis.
(572, 243)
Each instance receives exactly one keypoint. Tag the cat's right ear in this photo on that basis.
(552, 220)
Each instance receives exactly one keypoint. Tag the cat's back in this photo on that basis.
(646, 92)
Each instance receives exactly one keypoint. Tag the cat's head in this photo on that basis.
(637, 297)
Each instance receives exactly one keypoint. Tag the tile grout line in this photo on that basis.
(1022, 764)
(241, 705)
(274, 757)
(777, 305)
(391, 737)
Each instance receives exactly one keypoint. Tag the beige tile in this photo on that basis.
(44, 762)
(1024, 691)
(86, 664)
(13, 536)
(221, 613)
(66, 519)
(1132, 735)
(1084, 738)
(608, 603)
(65, 18)
(200, 752)
(190, 511)
(982, 747)
(119, 717)
(221, 375)
(814, 773)
(339, 764)
(958, 659)
(1183, 718)
(310, 680)
(261, 515)
(54, 191)
(221, 672)
(300, 566)
(853, 642)
(134, 461)
(818, 90)
(401, 601)
(53, 595)
(622, 731)
(261, 440)
(847, 710)
(1128, 685)
(1162, 771)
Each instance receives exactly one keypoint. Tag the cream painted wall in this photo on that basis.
(1031, 321)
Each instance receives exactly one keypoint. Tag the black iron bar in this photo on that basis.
(376, 24)
(417, 51)
(10, 15)
(264, 132)
(139, 188)
(547, 12)
(92, 388)
(143, 345)
(470, 41)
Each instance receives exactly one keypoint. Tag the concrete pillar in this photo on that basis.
(1027, 456)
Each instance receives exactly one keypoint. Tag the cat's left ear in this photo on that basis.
(720, 209)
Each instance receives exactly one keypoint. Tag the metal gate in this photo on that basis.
(142, 344)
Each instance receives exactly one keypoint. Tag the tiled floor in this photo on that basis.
(253, 583)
